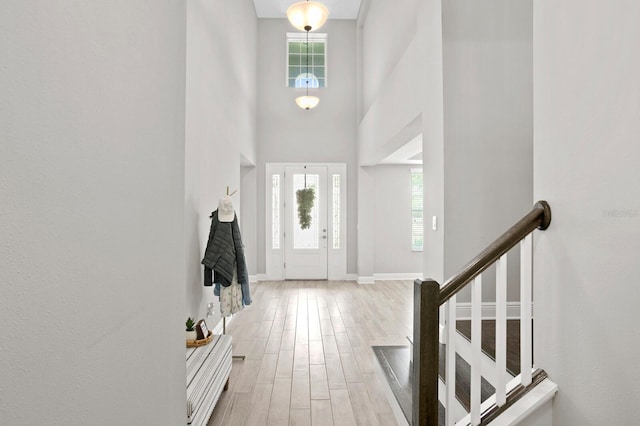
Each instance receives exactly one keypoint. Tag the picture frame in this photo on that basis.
(202, 330)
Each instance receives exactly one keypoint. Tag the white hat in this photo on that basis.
(225, 209)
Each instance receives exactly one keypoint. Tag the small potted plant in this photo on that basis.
(191, 331)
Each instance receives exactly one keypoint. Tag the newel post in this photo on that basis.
(426, 304)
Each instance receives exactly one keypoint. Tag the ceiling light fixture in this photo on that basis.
(307, 102)
(307, 15)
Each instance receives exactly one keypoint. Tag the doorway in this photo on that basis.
(306, 246)
(305, 221)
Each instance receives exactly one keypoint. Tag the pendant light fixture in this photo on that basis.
(307, 102)
(307, 15)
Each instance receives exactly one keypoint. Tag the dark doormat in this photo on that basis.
(396, 364)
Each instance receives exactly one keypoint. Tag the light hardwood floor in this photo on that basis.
(308, 354)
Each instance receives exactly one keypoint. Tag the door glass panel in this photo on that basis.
(336, 211)
(307, 238)
(275, 212)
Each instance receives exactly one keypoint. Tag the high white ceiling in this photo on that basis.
(338, 9)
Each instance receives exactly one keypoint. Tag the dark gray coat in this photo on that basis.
(226, 251)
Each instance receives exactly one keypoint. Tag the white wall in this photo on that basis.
(587, 122)
(430, 33)
(402, 99)
(392, 210)
(366, 223)
(383, 49)
(465, 79)
(249, 217)
(220, 128)
(325, 134)
(92, 189)
(488, 119)
(393, 118)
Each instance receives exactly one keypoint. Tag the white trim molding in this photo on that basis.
(397, 276)
(463, 310)
(263, 277)
(366, 280)
(536, 399)
(276, 245)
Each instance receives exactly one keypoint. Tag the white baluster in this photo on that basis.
(525, 308)
(451, 361)
(501, 330)
(476, 348)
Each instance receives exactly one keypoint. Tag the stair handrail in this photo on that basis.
(429, 296)
(539, 217)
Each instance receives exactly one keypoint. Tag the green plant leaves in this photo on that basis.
(305, 198)
(190, 324)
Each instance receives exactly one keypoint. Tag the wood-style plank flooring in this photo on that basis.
(308, 353)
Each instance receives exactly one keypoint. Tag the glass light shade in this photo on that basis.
(307, 14)
(307, 102)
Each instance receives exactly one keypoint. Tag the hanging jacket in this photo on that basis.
(224, 253)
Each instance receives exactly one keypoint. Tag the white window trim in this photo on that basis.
(303, 37)
(411, 172)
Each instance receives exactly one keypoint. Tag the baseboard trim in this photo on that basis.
(397, 276)
(536, 398)
(463, 310)
(355, 277)
(539, 398)
(263, 277)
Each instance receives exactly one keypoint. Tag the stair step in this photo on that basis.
(396, 364)
(463, 380)
(489, 340)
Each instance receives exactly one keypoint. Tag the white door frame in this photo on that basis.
(336, 227)
(311, 261)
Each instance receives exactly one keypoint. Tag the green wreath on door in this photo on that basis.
(305, 199)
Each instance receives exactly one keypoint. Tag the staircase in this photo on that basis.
(395, 361)
(491, 359)
(488, 365)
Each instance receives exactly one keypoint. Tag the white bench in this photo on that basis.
(208, 369)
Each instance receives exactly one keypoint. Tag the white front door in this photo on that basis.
(305, 237)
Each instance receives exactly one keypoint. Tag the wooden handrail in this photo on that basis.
(428, 296)
(539, 217)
